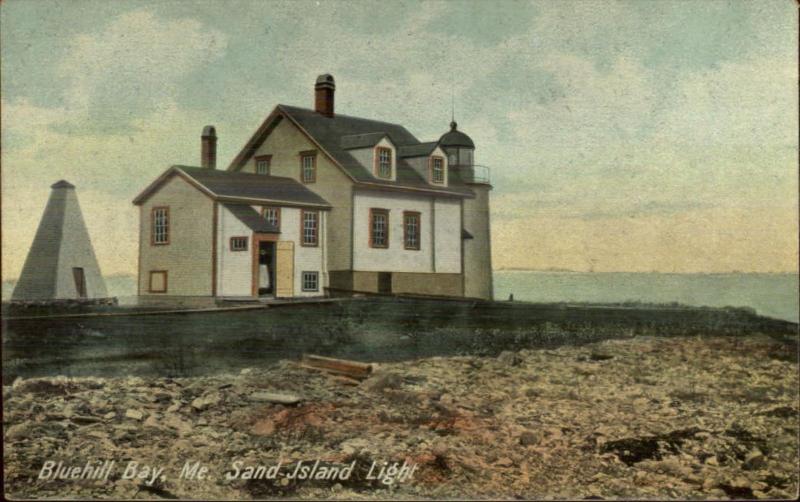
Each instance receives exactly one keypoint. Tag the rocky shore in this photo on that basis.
(644, 417)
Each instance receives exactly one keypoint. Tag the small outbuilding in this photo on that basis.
(61, 264)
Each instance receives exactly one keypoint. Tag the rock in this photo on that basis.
(529, 438)
(174, 407)
(177, 423)
(383, 381)
(740, 483)
(712, 460)
(440, 450)
(134, 414)
(152, 421)
(85, 419)
(508, 358)
(273, 397)
(504, 462)
(755, 460)
(204, 402)
(18, 431)
(160, 397)
(110, 415)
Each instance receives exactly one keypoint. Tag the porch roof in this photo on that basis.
(250, 217)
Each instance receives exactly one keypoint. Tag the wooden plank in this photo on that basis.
(345, 367)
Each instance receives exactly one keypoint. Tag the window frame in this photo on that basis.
(303, 242)
(268, 160)
(431, 163)
(150, 281)
(153, 241)
(376, 168)
(313, 155)
(277, 209)
(303, 287)
(372, 212)
(418, 216)
(239, 250)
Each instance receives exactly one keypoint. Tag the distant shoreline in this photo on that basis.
(654, 272)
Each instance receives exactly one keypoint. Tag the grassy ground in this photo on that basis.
(377, 329)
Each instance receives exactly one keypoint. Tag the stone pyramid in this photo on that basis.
(61, 264)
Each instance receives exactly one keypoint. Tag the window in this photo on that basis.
(411, 230)
(383, 162)
(263, 164)
(310, 281)
(272, 215)
(160, 226)
(158, 281)
(309, 229)
(308, 167)
(238, 243)
(437, 170)
(379, 228)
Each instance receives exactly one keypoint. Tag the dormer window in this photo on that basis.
(383, 162)
(262, 164)
(437, 170)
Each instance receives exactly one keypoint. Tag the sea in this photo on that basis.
(771, 295)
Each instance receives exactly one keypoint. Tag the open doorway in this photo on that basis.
(80, 281)
(266, 268)
(385, 283)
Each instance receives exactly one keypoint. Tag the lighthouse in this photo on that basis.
(477, 245)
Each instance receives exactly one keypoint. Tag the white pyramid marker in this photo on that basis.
(61, 264)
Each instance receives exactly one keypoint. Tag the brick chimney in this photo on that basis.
(323, 95)
(208, 150)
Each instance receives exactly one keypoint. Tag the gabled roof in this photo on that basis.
(250, 217)
(233, 186)
(420, 150)
(327, 133)
(355, 141)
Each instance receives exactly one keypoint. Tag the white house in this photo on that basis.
(316, 203)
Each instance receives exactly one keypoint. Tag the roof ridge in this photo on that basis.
(236, 173)
(347, 116)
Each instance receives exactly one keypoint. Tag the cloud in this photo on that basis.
(603, 122)
(118, 128)
(132, 67)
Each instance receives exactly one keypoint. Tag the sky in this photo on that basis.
(621, 136)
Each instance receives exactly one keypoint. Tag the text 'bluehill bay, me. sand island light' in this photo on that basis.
(319, 202)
